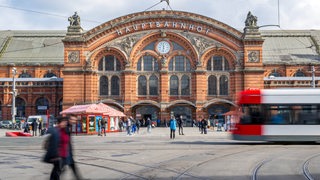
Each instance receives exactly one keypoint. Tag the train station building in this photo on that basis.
(152, 64)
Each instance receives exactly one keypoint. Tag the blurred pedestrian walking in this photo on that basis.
(70, 160)
(57, 147)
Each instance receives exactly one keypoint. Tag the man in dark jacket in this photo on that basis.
(180, 124)
(34, 126)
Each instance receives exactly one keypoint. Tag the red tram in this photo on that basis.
(279, 115)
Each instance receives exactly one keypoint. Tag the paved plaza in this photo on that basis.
(21, 156)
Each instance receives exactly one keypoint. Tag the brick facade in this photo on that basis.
(129, 39)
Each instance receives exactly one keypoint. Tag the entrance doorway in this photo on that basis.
(183, 112)
(145, 112)
(145, 118)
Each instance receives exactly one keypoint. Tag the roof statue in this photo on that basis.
(251, 20)
(74, 19)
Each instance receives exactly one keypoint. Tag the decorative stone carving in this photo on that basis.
(88, 63)
(127, 44)
(251, 20)
(253, 56)
(73, 57)
(74, 19)
(200, 43)
(163, 60)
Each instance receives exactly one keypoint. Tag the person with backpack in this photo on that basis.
(173, 127)
(103, 126)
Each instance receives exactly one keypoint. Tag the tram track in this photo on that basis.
(201, 158)
(162, 165)
(305, 167)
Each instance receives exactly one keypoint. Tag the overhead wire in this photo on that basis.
(45, 13)
(168, 5)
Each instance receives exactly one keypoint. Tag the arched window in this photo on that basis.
(185, 85)
(115, 86)
(49, 75)
(109, 63)
(174, 85)
(142, 85)
(153, 85)
(24, 75)
(223, 85)
(212, 85)
(42, 105)
(21, 107)
(147, 63)
(299, 74)
(179, 63)
(217, 63)
(104, 86)
(274, 74)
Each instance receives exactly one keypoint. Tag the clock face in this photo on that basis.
(163, 47)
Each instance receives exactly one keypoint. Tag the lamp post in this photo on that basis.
(313, 82)
(13, 109)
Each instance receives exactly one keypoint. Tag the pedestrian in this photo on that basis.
(103, 126)
(70, 160)
(149, 125)
(57, 147)
(129, 127)
(138, 124)
(34, 126)
(134, 125)
(26, 127)
(180, 124)
(173, 127)
(99, 127)
(204, 126)
(40, 128)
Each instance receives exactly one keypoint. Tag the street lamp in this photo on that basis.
(13, 109)
(313, 82)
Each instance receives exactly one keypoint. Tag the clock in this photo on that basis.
(163, 47)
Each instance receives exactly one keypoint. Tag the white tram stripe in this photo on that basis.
(291, 130)
(292, 96)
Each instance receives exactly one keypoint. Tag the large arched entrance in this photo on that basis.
(143, 112)
(184, 112)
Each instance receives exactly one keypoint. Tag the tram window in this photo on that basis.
(292, 114)
(251, 115)
(278, 114)
(308, 114)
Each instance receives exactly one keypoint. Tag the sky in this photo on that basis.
(53, 14)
